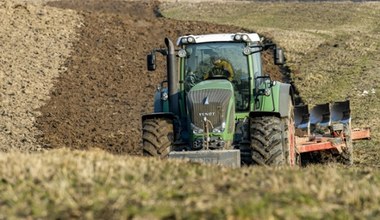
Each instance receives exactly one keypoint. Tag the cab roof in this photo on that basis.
(252, 37)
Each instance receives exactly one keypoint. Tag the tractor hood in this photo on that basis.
(214, 101)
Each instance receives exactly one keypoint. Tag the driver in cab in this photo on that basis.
(221, 68)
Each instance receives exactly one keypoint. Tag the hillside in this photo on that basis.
(332, 48)
(86, 86)
(95, 184)
(73, 85)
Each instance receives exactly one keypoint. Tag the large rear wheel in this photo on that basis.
(266, 141)
(273, 140)
(157, 137)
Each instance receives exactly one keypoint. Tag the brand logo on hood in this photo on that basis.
(205, 101)
(206, 114)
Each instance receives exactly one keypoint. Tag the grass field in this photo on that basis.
(72, 184)
(334, 51)
(332, 48)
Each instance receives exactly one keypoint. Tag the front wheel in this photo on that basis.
(157, 137)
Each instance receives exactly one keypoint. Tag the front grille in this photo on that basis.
(210, 103)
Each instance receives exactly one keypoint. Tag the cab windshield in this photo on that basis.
(219, 60)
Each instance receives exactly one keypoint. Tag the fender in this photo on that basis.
(159, 104)
(168, 115)
(286, 95)
(278, 102)
(259, 114)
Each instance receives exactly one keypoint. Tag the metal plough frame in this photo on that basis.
(324, 117)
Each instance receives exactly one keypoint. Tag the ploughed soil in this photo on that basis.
(103, 87)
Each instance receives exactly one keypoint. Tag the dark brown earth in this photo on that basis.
(99, 100)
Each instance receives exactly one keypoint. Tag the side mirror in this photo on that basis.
(279, 58)
(151, 62)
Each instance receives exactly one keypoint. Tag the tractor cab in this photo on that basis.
(219, 56)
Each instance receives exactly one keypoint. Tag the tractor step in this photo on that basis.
(226, 158)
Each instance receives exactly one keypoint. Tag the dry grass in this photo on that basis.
(73, 184)
(335, 48)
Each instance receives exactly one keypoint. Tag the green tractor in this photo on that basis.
(216, 105)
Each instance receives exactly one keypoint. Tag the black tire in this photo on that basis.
(157, 137)
(245, 152)
(266, 141)
(272, 141)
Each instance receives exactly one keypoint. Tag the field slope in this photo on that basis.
(78, 184)
(333, 50)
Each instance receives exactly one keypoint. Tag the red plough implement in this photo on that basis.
(327, 127)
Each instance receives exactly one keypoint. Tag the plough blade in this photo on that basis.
(340, 112)
(329, 125)
(320, 115)
(302, 120)
(323, 114)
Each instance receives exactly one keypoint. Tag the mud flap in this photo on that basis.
(226, 158)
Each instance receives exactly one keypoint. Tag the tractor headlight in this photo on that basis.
(267, 92)
(188, 40)
(184, 40)
(182, 53)
(219, 129)
(241, 37)
(164, 96)
(237, 37)
(191, 40)
(196, 130)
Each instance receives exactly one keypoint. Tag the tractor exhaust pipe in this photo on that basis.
(172, 77)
